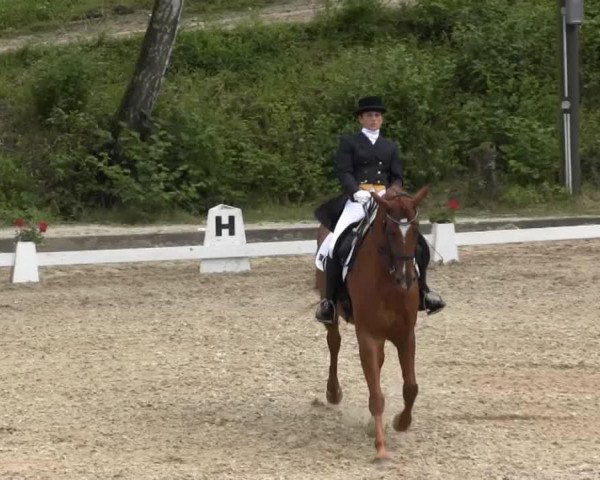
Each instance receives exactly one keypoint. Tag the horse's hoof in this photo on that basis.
(382, 457)
(402, 421)
(334, 397)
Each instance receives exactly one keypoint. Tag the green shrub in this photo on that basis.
(252, 115)
(590, 143)
(71, 168)
(17, 190)
(362, 21)
(63, 83)
(517, 196)
(146, 179)
(429, 20)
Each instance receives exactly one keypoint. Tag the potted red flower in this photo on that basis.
(445, 248)
(30, 232)
(445, 214)
(28, 236)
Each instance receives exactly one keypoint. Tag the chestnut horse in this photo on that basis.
(383, 292)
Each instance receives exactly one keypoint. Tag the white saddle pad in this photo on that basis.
(324, 252)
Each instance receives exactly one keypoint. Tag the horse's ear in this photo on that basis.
(379, 200)
(421, 194)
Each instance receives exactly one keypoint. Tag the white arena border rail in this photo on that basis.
(286, 248)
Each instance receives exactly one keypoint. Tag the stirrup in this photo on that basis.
(326, 312)
(433, 303)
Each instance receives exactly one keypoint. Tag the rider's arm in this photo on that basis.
(396, 166)
(345, 166)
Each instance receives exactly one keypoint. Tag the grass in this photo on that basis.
(26, 16)
(530, 202)
(587, 203)
(258, 214)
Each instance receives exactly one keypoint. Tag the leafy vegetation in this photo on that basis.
(251, 116)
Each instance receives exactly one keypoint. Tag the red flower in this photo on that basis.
(43, 227)
(453, 204)
(20, 223)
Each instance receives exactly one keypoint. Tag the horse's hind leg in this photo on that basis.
(334, 340)
(371, 359)
(410, 389)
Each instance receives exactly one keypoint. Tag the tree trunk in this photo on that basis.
(141, 95)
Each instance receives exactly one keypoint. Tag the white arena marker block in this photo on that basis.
(445, 246)
(224, 227)
(26, 265)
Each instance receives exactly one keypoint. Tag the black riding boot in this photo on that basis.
(430, 301)
(326, 310)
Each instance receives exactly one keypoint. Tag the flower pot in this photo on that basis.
(445, 247)
(26, 267)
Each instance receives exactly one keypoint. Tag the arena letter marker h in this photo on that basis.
(224, 226)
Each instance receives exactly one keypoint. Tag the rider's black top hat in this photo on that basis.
(370, 104)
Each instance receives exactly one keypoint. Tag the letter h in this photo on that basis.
(230, 226)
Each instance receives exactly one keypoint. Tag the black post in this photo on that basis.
(574, 95)
(571, 14)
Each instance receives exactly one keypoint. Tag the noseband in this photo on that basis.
(403, 222)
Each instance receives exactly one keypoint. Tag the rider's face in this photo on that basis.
(371, 120)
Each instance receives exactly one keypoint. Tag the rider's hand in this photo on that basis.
(362, 196)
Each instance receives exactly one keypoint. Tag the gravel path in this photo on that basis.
(136, 24)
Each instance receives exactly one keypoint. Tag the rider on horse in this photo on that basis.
(366, 161)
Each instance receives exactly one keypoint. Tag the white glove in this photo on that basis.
(361, 196)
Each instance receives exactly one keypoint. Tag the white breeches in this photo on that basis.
(353, 212)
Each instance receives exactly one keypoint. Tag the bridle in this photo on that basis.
(395, 256)
(403, 222)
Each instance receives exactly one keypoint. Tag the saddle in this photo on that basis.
(350, 240)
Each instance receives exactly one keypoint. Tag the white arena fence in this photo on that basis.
(225, 247)
(272, 249)
(158, 254)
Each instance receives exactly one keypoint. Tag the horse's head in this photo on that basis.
(398, 220)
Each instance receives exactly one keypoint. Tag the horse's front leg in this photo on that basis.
(410, 389)
(334, 340)
(371, 358)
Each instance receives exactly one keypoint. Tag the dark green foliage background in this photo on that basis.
(253, 114)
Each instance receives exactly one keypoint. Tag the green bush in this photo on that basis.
(249, 48)
(253, 114)
(517, 196)
(146, 179)
(358, 21)
(590, 142)
(63, 83)
(17, 192)
(71, 168)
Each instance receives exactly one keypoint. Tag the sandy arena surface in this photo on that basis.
(155, 372)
